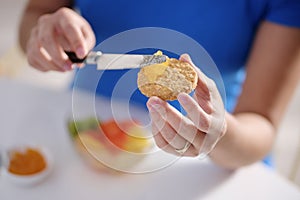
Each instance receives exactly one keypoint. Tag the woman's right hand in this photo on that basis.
(64, 30)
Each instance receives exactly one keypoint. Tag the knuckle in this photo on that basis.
(186, 128)
(186, 125)
(74, 35)
(168, 134)
(76, 42)
(45, 37)
(160, 124)
(160, 144)
(198, 141)
(43, 19)
(43, 40)
(69, 26)
(204, 122)
(62, 12)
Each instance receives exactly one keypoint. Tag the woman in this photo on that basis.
(260, 37)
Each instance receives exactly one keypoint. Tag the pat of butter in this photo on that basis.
(153, 71)
(158, 53)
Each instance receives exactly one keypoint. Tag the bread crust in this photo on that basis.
(177, 77)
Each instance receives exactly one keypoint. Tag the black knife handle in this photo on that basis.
(72, 56)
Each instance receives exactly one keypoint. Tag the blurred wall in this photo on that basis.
(13, 63)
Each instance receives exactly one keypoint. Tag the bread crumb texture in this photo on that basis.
(168, 79)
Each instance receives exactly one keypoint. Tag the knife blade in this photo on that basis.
(117, 61)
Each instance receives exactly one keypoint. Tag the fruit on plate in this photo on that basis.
(114, 144)
(126, 135)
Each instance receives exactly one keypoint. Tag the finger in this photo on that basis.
(36, 58)
(159, 140)
(35, 64)
(64, 43)
(62, 40)
(165, 146)
(45, 59)
(205, 104)
(89, 36)
(44, 62)
(46, 37)
(195, 112)
(202, 93)
(184, 126)
(167, 132)
(74, 35)
(56, 55)
(39, 60)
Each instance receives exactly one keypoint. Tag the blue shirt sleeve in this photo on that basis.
(285, 12)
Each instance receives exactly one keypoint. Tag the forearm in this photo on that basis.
(249, 138)
(262, 103)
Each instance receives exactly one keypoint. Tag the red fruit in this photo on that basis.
(114, 133)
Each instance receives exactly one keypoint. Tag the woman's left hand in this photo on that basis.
(196, 133)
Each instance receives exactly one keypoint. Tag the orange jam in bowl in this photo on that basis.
(28, 162)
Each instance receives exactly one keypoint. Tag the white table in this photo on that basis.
(30, 114)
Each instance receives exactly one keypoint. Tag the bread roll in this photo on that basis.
(166, 80)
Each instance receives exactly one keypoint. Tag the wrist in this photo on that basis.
(225, 148)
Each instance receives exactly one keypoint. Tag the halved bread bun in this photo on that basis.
(166, 80)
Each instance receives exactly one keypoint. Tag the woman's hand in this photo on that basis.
(198, 132)
(55, 33)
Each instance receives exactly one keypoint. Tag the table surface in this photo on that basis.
(31, 114)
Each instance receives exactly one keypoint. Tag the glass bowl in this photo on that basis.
(110, 145)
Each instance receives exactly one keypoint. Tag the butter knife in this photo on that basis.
(106, 61)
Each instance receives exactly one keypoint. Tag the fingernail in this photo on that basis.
(182, 98)
(154, 105)
(80, 52)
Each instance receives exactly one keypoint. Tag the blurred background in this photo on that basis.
(13, 65)
(12, 61)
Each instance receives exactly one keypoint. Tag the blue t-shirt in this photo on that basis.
(225, 29)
